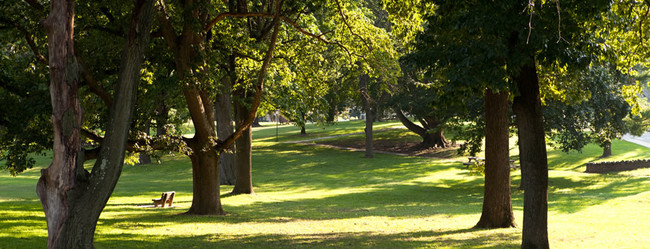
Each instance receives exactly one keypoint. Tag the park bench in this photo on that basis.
(166, 197)
(474, 160)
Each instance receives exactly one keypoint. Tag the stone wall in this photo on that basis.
(602, 167)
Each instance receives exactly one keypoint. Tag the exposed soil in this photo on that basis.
(412, 148)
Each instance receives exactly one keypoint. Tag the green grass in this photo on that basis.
(313, 197)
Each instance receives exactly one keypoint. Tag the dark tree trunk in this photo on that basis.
(162, 117)
(205, 182)
(434, 139)
(534, 165)
(243, 155)
(497, 205)
(72, 198)
(223, 114)
(256, 123)
(331, 113)
(430, 138)
(206, 198)
(144, 157)
(607, 149)
(367, 105)
(303, 122)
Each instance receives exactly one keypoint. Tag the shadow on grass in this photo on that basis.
(421, 239)
(569, 195)
(423, 200)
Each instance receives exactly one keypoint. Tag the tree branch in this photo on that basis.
(259, 88)
(95, 87)
(230, 14)
(169, 34)
(35, 4)
(141, 145)
(29, 38)
(409, 124)
(345, 21)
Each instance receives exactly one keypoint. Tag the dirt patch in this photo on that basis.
(395, 146)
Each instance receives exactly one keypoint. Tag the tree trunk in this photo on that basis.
(435, 138)
(223, 114)
(162, 117)
(256, 123)
(243, 155)
(607, 149)
(497, 205)
(367, 105)
(59, 177)
(144, 158)
(534, 165)
(303, 131)
(205, 182)
(206, 198)
(331, 113)
(72, 198)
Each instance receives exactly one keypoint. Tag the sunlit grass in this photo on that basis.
(312, 197)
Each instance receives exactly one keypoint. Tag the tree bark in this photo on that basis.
(497, 205)
(367, 105)
(205, 162)
(59, 177)
(162, 117)
(607, 149)
(533, 158)
(72, 198)
(243, 155)
(144, 157)
(205, 182)
(430, 137)
(223, 114)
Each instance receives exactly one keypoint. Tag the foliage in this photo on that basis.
(25, 125)
(597, 117)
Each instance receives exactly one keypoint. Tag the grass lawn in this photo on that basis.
(313, 197)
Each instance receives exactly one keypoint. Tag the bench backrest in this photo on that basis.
(170, 197)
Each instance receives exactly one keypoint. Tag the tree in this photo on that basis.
(442, 53)
(72, 197)
(492, 46)
(192, 56)
(597, 112)
(421, 99)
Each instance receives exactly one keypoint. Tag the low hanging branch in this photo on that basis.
(146, 144)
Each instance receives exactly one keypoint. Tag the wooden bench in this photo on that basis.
(166, 197)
